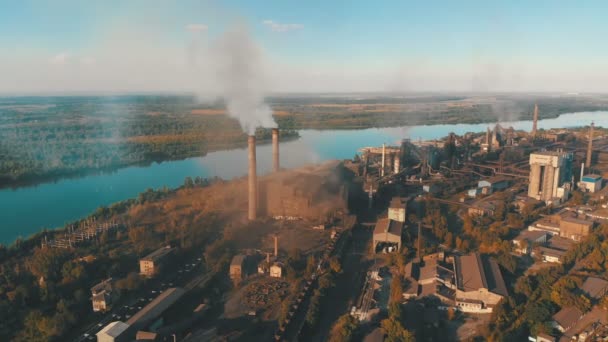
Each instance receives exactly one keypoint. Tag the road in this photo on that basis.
(349, 283)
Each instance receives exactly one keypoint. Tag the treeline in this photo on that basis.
(46, 138)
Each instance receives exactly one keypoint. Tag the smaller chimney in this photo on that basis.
(276, 245)
(582, 170)
(268, 258)
(275, 150)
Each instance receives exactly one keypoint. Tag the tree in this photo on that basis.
(344, 329)
(396, 289)
(394, 331)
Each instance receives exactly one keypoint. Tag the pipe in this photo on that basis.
(253, 188)
(275, 150)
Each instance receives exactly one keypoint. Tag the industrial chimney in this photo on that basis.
(590, 145)
(253, 186)
(276, 245)
(275, 150)
(535, 121)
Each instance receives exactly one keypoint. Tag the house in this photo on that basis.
(102, 296)
(596, 288)
(550, 254)
(566, 318)
(527, 238)
(522, 202)
(237, 268)
(114, 332)
(574, 228)
(387, 234)
(493, 184)
(473, 192)
(591, 183)
(276, 270)
(396, 209)
(483, 208)
(549, 224)
(153, 263)
(433, 277)
(479, 283)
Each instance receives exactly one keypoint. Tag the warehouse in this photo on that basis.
(387, 234)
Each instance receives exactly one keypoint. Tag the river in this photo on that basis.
(30, 209)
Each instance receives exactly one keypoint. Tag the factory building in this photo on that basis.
(151, 314)
(479, 283)
(387, 234)
(490, 185)
(591, 183)
(153, 263)
(237, 268)
(527, 239)
(397, 209)
(574, 228)
(114, 332)
(102, 295)
(550, 176)
(311, 192)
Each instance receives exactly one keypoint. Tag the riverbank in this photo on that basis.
(31, 209)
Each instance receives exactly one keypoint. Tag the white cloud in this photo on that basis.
(60, 58)
(280, 27)
(196, 27)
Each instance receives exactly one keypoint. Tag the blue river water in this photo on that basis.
(27, 210)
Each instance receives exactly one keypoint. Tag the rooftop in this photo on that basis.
(531, 235)
(157, 254)
(577, 221)
(595, 287)
(386, 225)
(475, 272)
(156, 307)
(592, 177)
(237, 260)
(114, 329)
(566, 317)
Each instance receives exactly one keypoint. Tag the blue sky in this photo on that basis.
(143, 45)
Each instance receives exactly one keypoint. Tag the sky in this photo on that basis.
(64, 46)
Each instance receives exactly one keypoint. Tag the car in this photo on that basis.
(99, 324)
(139, 308)
(128, 316)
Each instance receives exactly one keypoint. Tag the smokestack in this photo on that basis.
(590, 145)
(275, 150)
(276, 245)
(582, 170)
(253, 186)
(383, 153)
(535, 121)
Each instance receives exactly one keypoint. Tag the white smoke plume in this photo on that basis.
(240, 77)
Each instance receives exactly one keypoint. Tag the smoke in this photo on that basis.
(240, 77)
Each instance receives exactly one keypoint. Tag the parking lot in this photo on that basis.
(126, 308)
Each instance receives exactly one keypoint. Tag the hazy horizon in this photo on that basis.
(154, 46)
